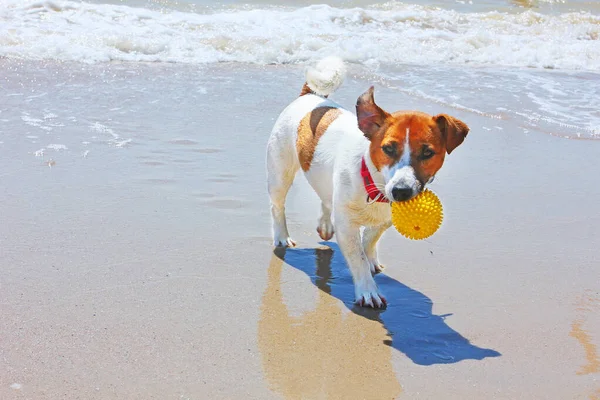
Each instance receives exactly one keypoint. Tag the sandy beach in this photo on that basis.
(136, 260)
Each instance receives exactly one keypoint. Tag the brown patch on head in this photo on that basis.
(428, 148)
(454, 130)
(310, 130)
(379, 158)
(372, 121)
(425, 142)
(371, 118)
(429, 138)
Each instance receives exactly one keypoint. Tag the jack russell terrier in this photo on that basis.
(357, 164)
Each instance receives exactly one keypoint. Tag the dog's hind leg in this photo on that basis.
(282, 165)
(320, 179)
(370, 237)
(325, 227)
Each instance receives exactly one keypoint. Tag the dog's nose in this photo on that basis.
(401, 194)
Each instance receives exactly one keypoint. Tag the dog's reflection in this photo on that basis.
(325, 353)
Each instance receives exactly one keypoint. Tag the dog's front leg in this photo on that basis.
(371, 236)
(366, 292)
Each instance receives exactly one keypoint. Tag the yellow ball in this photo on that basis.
(419, 217)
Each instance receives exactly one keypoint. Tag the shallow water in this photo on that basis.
(533, 62)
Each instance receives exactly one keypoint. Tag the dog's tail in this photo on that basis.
(325, 77)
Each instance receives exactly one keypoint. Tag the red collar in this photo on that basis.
(373, 194)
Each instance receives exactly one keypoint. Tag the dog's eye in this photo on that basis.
(426, 154)
(389, 150)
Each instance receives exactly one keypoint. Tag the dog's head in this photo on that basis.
(408, 148)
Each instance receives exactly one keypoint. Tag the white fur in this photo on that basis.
(401, 174)
(335, 176)
(327, 76)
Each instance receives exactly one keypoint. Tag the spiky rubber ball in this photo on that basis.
(419, 217)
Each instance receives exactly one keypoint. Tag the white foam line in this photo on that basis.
(57, 147)
(115, 139)
(86, 32)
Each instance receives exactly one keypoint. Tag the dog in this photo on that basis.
(357, 165)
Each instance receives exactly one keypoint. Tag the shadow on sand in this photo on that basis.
(410, 324)
(323, 351)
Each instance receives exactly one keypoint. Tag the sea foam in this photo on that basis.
(393, 33)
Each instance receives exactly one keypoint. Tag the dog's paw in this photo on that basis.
(376, 268)
(284, 242)
(325, 231)
(372, 299)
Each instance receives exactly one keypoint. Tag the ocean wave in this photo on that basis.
(389, 33)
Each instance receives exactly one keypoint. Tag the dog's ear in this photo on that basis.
(453, 130)
(370, 117)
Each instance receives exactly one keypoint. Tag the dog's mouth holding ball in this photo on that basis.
(399, 194)
(402, 195)
(401, 183)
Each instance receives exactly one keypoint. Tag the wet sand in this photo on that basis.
(136, 263)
